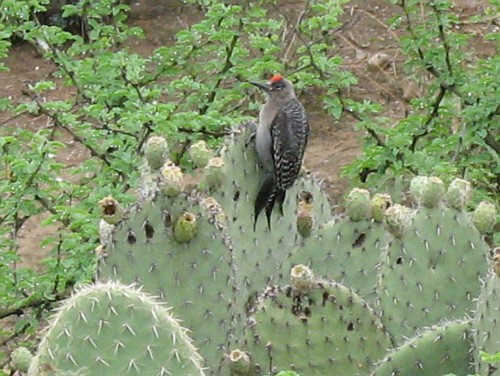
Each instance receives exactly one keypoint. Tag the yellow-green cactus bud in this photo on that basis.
(172, 179)
(240, 363)
(155, 151)
(185, 228)
(427, 191)
(200, 154)
(21, 359)
(379, 203)
(111, 211)
(302, 279)
(397, 219)
(305, 217)
(459, 193)
(358, 204)
(214, 172)
(485, 217)
(305, 222)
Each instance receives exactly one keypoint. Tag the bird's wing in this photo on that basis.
(289, 130)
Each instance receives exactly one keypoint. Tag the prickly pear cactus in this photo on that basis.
(348, 249)
(439, 350)
(323, 329)
(432, 271)
(262, 257)
(487, 321)
(111, 329)
(193, 275)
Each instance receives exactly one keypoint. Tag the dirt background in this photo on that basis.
(333, 144)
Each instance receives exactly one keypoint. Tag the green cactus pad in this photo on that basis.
(347, 252)
(437, 351)
(487, 325)
(431, 272)
(111, 329)
(328, 331)
(261, 257)
(194, 277)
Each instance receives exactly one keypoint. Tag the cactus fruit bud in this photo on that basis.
(240, 363)
(185, 228)
(200, 154)
(305, 218)
(485, 217)
(305, 223)
(20, 359)
(496, 261)
(214, 172)
(156, 151)
(459, 193)
(397, 219)
(379, 203)
(302, 279)
(172, 179)
(111, 211)
(358, 204)
(427, 191)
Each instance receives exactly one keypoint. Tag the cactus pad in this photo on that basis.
(111, 329)
(327, 331)
(432, 272)
(437, 351)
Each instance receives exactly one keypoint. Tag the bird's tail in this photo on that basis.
(269, 194)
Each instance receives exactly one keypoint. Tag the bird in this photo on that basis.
(280, 142)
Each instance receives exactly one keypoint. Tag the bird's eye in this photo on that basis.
(279, 85)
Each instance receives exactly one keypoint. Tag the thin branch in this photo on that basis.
(228, 64)
(205, 131)
(58, 123)
(434, 113)
(443, 39)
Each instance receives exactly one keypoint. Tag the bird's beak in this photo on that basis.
(260, 85)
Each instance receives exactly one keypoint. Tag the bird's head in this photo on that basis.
(278, 88)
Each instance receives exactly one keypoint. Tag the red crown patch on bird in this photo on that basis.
(276, 78)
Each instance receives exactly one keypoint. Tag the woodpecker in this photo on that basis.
(280, 142)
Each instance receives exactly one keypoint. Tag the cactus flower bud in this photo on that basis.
(302, 279)
(155, 151)
(172, 179)
(358, 204)
(459, 193)
(185, 228)
(379, 203)
(214, 172)
(485, 217)
(240, 363)
(200, 154)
